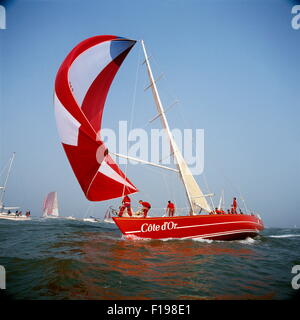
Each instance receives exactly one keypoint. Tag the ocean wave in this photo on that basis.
(202, 240)
(135, 238)
(284, 236)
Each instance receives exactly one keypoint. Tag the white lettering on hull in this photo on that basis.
(167, 225)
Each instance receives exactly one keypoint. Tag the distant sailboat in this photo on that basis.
(91, 219)
(5, 212)
(50, 208)
(81, 87)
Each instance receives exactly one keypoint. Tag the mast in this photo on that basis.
(194, 195)
(6, 179)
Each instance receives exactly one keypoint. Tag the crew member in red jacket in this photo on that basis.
(170, 209)
(234, 205)
(146, 207)
(126, 204)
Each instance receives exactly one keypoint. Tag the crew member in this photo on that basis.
(234, 205)
(126, 204)
(146, 207)
(170, 209)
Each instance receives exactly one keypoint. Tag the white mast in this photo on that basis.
(194, 194)
(6, 179)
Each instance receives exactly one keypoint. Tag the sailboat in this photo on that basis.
(50, 207)
(81, 87)
(5, 212)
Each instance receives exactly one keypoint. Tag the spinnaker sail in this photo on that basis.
(81, 87)
(51, 205)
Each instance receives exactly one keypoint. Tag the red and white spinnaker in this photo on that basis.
(81, 88)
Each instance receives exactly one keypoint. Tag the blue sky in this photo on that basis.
(233, 65)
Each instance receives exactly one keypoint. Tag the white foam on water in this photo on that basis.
(247, 241)
(135, 238)
(285, 236)
(168, 239)
(202, 240)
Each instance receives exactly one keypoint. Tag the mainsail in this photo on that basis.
(51, 205)
(81, 87)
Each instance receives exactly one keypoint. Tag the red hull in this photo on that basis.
(215, 227)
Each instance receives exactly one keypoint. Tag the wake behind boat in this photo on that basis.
(81, 87)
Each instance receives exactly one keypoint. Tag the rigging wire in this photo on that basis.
(236, 190)
(211, 198)
(4, 169)
(174, 98)
(132, 109)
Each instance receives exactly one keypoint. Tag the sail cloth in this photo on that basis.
(194, 193)
(51, 205)
(81, 87)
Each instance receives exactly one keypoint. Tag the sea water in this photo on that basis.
(71, 259)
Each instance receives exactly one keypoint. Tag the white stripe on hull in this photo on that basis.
(218, 234)
(203, 225)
